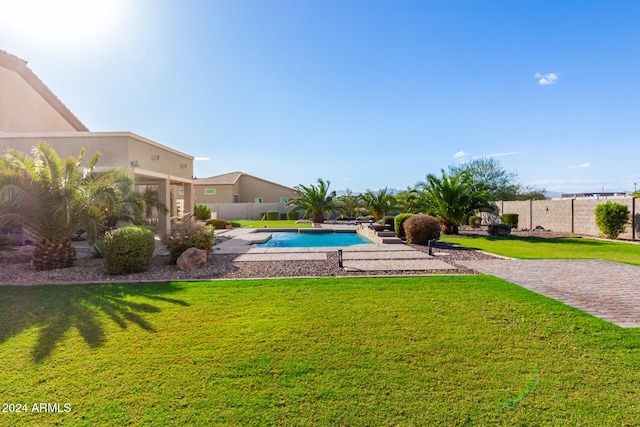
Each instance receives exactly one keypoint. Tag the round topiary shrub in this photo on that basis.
(398, 224)
(188, 235)
(499, 229)
(612, 219)
(421, 228)
(128, 249)
(475, 221)
(273, 215)
(510, 219)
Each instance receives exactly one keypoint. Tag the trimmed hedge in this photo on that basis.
(128, 249)
(398, 224)
(293, 214)
(273, 215)
(510, 219)
(421, 228)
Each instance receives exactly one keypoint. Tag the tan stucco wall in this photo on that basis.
(22, 109)
(252, 188)
(224, 194)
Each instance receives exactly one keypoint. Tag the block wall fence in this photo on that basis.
(244, 211)
(569, 215)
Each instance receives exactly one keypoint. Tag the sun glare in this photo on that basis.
(62, 24)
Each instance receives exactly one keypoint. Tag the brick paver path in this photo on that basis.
(608, 290)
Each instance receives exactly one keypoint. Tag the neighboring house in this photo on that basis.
(30, 112)
(221, 191)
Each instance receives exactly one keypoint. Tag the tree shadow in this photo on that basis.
(56, 309)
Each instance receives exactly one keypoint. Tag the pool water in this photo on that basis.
(312, 240)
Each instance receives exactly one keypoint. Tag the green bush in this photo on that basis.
(188, 235)
(612, 219)
(273, 215)
(219, 224)
(499, 229)
(128, 249)
(293, 214)
(421, 228)
(283, 216)
(510, 219)
(235, 224)
(398, 224)
(201, 212)
(475, 221)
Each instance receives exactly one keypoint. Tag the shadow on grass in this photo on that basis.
(56, 309)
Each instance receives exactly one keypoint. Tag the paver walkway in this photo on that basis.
(605, 289)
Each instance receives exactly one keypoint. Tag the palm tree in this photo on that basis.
(51, 199)
(379, 203)
(349, 204)
(451, 199)
(315, 199)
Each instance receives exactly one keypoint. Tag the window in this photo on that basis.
(181, 191)
(258, 199)
(284, 200)
(209, 191)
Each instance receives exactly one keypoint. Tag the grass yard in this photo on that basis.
(560, 248)
(273, 224)
(471, 350)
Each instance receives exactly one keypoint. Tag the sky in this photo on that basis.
(366, 94)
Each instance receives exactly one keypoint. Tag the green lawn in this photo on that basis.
(273, 224)
(470, 350)
(561, 248)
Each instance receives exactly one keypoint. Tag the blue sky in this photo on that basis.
(366, 94)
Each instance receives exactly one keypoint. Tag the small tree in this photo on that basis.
(612, 219)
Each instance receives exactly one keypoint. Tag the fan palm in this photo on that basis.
(451, 199)
(379, 203)
(51, 199)
(314, 199)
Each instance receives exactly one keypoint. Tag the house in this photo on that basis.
(30, 112)
(238, 195)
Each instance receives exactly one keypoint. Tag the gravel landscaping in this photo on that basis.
(15, 269)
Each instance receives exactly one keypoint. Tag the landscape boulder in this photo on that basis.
(192, 259)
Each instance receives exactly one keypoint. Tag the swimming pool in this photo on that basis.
(288, 239)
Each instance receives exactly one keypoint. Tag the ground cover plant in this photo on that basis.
(273, 224)
(472, 350)
(559, 248)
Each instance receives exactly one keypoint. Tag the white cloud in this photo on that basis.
(199, 159)
(460, 154)
(547, 79)
(582, 166)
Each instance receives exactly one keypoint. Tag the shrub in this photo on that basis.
(475, 221)
(499, 229)
(128, 249)
(421, 228)
(235, 224)
(398, 224)
(188, 235)
(510, 219)
(201, 212)
(283, 216)
(612, 219)
(293, 214)
(273, 215)
(218, 224)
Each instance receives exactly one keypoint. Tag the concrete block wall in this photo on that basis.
(244, 211)
(569, 215)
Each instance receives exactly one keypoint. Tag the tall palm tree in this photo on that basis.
(451, 199)
(379, 203)
(314, 199)
(51, 199)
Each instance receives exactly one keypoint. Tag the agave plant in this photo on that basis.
(52, 199)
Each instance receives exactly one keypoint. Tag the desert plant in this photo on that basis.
(218, 224)
(398, 224)
(314, 199)
(273, 215)
(128, 249)
(510, 219)
(421, 228)
(612, 219)
(201, 212)
(348, 205)
(475, 221)
(499, 229)
(187, 235)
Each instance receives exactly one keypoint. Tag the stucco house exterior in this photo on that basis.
(30, 112)
(238, 195)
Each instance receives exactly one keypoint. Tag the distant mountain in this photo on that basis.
(393, 191)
